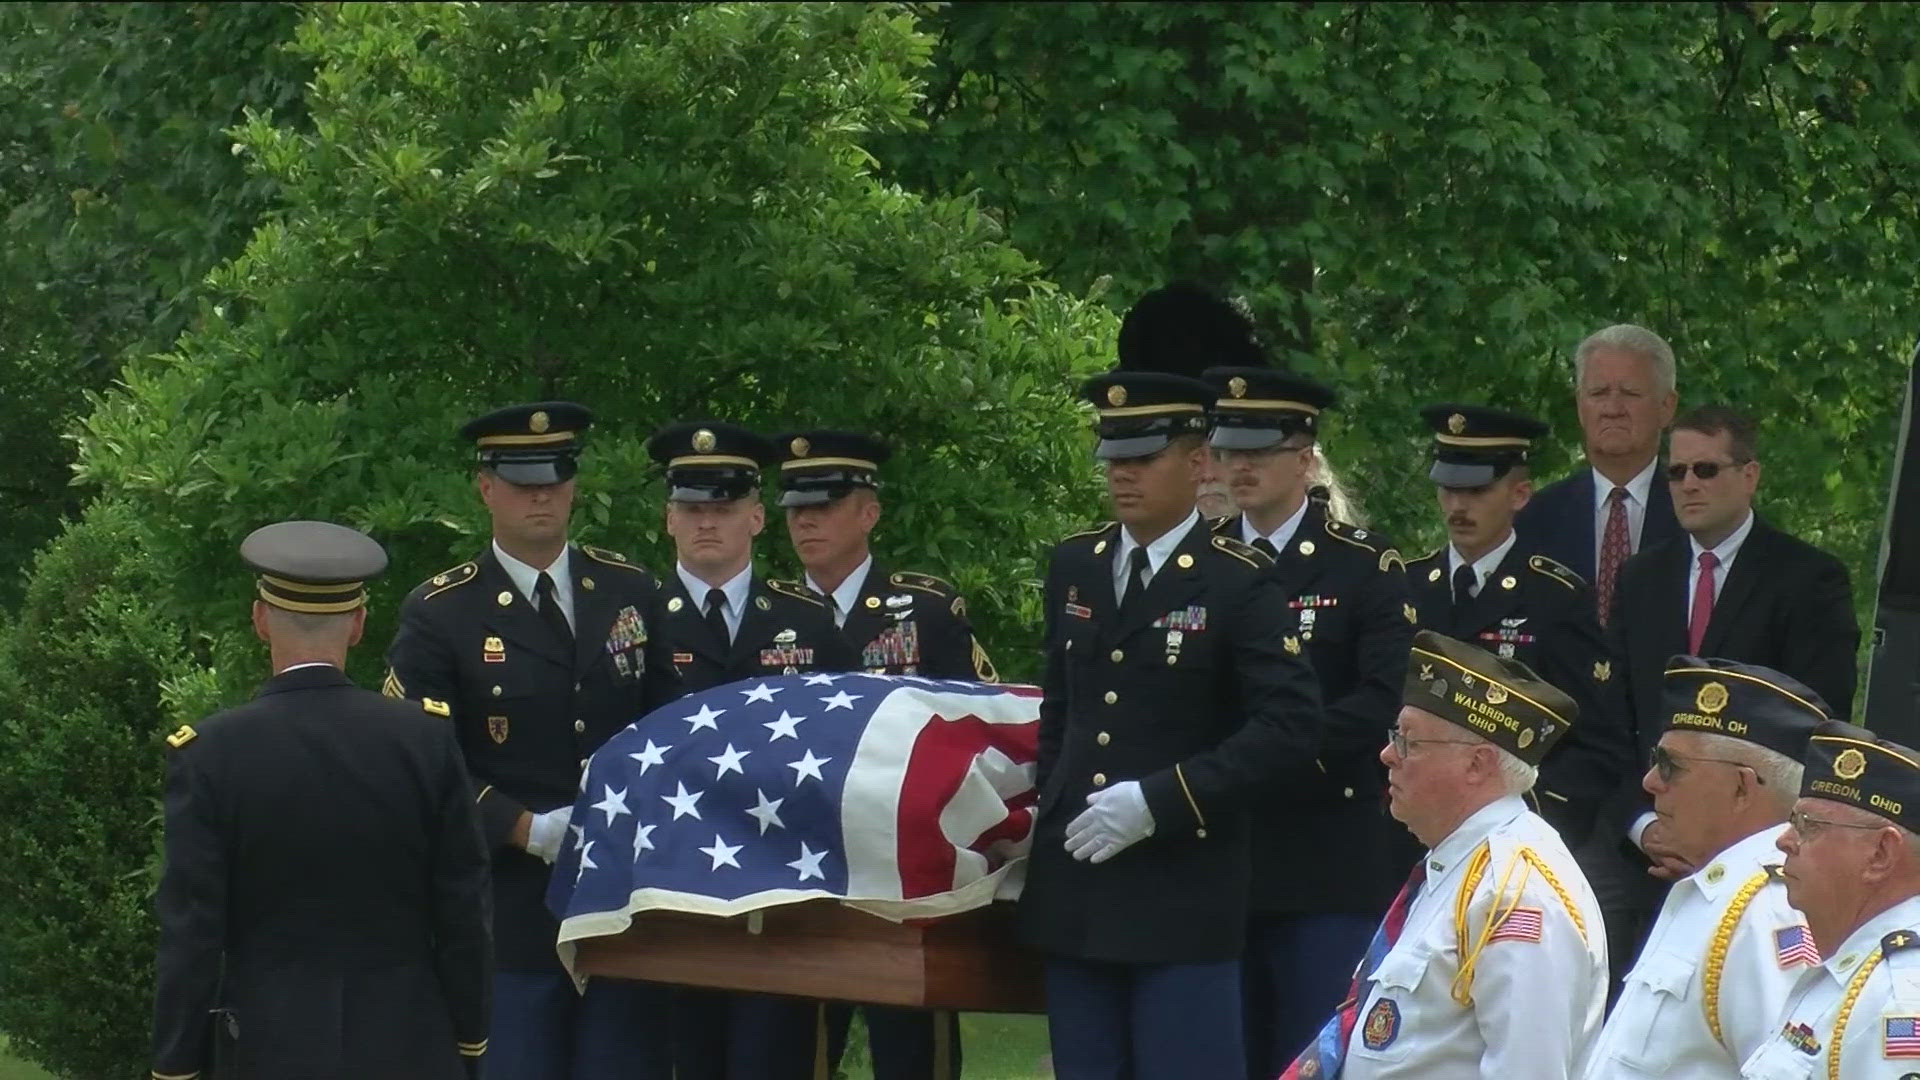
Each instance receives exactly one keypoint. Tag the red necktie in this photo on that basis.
(1613, 549)
(1702, 603)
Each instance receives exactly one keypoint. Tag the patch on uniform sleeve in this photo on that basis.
(391, 686)
(1383, 1024)
(180, 738)
(1520, 924)
(1900, 1036)
(1794, 945)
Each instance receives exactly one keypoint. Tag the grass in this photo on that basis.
(11, 1068)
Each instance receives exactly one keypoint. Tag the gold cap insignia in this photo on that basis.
(1426, 672)
(1456, 423)
(1711, 698)
(1237, 386)
(703, 441)
(1116, 396)
(1496, 694)
(1525, 738)
(1850, 764)
(538, 422)
(1602, 670)
(800, 447)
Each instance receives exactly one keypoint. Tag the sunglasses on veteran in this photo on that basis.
(1705, 470)
(1667, 764)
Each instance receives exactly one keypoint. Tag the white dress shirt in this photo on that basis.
(736, 590)
(1725, 551)
(1660, 1028)
(1535, 1006)
(297, 667)
(1485, 565)
(1638, 490)
(1279, 537)
(848, 594)
(1157, 553)
(525, 578)
(1801, 1044)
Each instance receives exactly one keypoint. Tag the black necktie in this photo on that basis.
(1136, 578)
(1265, 547)
(1464, 579)
(550, 612)
(717, 615)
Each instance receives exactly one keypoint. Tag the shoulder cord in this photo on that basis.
(1839, 1037)
(1721, 941)
(1506, 899)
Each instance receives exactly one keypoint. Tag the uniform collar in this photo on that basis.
(1732, 868)
(1482, 823)
(847, 596)
(525, 577)
(1279, 537)
(1157, 551)
(736, 588)
(1862, 942)
(1485, 565)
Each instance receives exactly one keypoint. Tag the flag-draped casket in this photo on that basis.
(839, 836)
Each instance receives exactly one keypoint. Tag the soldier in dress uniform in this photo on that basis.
(1482, 587)
(542, 649)
(724, 622)
(1727, 946)
(1177, 699)
(1348, 589)
(902, 623)
(323, 896)
(1853, 869)
(1491, 961)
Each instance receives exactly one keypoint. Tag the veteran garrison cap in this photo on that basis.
(532, 444)
(1501, 701)
(1852, 765)
(1256, 407)
(1474, 445)
(710, 460)
(1141, 411)
(1184, 329)
(821, 466)
(313, 567)
(1741, 701)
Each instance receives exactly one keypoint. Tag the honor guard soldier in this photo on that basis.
(542, 650)
(323, 895)
(1853, 871)
(902, 623)
(1707, 989)
(1177, 701)
(725, 623)
(1491, 961)
(1348, 589)
(1483, 587)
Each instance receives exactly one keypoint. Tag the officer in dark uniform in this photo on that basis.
(1177, 700)
(724, 623)
(1483, 588)
(902, 623)
(323, 898)
(1348, 589)
(543, 649)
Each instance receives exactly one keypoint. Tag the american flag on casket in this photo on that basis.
(903, 796)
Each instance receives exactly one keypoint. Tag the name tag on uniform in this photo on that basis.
(1080, 611)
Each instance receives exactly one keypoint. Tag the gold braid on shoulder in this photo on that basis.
(1505, 899)
(1717, 947)
(1854, 986)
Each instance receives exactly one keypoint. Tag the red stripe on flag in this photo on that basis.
(942, 754)
(1521, 924)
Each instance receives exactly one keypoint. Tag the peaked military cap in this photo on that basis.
(1852, 765)
(1141, 411)
(1255, 408)
(709, 460)
(1474, 445)
(1183, 329)
(537, 443)
(313, 567)
(1502, 701)
(1742, 701)
(821, 466)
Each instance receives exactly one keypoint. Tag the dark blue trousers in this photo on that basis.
(721, 1035)
(543, 1030)
(1111, 1021)
(1298, 969)
(903, 1041)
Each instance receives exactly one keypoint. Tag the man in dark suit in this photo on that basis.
(1177, 700)
(724, 622)
(323, 897)
(1734, 588)
(542, 649)
(1485, 589)
(1348, 590)
(1616, 505)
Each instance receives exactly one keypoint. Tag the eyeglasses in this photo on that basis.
(1705, 470)
(1401, 744)
(1806, 826)
(1667, 763)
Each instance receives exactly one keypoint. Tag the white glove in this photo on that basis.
(547, 832)
(1114, 820)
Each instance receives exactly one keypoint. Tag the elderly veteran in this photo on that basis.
(1491, 962)
(1853, 867)
(1727, 946)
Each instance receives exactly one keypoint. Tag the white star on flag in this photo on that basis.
(841, 700)
(767, 813)
(761, 693)
(579, 833)
(643, 839)
(821, 679)
(722, 853)
(783, 728)
(809, 863)
(704, 718)
(613, 804)
(586, 861)
(730, 761)
(651, 756)
(684, 802)
(807, 766)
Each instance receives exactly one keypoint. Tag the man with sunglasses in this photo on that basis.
(1853, 868)
(1727, 946)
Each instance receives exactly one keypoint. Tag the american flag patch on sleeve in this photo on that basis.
(1794, 945)
(1900, 1037)
(1520, 924)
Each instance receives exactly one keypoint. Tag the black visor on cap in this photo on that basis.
(532, 470)
(708, 483)
(820, 488)
(1465, 474)
(1250, 433)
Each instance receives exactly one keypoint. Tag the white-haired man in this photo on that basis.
(1491, 962)
(1727, 946)
(1853, 868)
